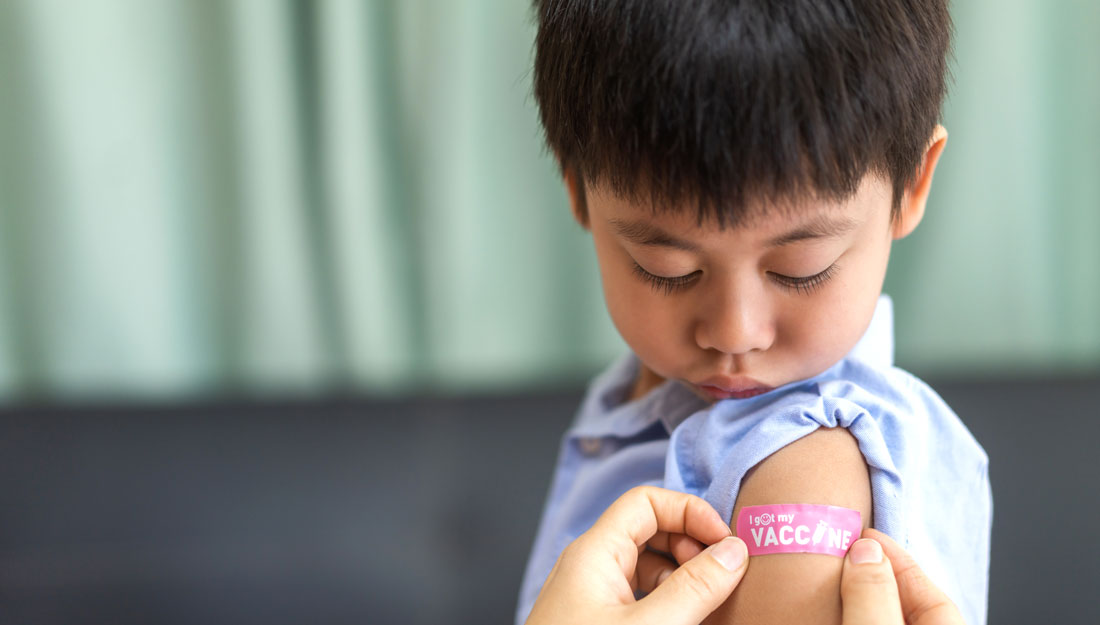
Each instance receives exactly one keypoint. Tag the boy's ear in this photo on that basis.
(575, 186)
(912, 204)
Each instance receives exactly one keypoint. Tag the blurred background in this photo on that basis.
(293, 312)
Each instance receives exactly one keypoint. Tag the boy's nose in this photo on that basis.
(735, 325)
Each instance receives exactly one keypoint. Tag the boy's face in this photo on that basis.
(736, 312)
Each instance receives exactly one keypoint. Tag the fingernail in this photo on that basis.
(866, 551)
(730, 552)
(663, 576)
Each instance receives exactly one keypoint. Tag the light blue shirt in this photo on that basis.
(929, 477)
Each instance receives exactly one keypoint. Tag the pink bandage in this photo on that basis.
(798, 528)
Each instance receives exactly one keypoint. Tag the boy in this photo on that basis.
(743, 167)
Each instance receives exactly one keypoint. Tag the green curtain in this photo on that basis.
(260, 196)
(1004, 273)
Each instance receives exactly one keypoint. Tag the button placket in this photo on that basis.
(590, 445)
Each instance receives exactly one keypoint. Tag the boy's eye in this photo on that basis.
(808, 284)
(799, 285)
(664, 284)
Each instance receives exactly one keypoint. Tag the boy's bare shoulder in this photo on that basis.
(824, 467)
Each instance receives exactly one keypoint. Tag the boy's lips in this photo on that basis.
(732, 387)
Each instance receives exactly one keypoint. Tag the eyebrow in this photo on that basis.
(819, 228)
(644, 233)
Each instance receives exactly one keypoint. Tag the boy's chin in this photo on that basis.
(700, 393)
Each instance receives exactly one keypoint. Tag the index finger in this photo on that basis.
(644, 510)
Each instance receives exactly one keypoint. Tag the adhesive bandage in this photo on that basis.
(798, 528)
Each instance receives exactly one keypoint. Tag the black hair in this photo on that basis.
(725, 102)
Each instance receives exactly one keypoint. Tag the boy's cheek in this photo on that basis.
(649, 328)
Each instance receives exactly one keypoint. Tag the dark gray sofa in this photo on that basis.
(363, 511)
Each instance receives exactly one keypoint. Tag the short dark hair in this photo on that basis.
(723, 102)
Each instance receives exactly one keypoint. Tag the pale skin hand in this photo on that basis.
(595, 578)
(893, 590)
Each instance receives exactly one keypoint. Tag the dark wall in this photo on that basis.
(417, 512)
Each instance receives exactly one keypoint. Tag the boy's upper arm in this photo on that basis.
(824, 467)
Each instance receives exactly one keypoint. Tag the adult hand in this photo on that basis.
(883, 585)
(595, 577)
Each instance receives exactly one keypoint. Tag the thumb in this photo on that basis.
(867, 587)
(697, 587)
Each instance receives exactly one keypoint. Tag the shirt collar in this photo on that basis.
(605, 411)
(876, 347)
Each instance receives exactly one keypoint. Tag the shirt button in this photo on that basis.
(590, 445)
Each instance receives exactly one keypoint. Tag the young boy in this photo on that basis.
(743, 167)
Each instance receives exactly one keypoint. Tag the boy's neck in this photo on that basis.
(645, 382)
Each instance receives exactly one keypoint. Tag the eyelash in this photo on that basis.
(668, 286)
(806, 285)
(664, 285)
